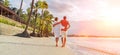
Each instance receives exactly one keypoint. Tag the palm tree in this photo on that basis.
(48, 22)
(45, 24)
(36, 7)
(43, 5)
(6, 3)
(25, 33)
(20, 9)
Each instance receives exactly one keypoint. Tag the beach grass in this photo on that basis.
(11, 22)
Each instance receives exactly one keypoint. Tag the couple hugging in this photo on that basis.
(60, 30)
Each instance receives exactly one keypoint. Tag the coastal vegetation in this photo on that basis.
(37, 16)
(11, 22)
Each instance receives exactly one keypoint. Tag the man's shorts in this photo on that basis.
(63, 33)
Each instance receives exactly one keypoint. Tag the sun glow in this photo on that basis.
(111, 17)
(112, 22)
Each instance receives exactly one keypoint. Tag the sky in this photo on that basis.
(79, 12)
(77, 9)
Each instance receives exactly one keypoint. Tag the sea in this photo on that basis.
(91, 46)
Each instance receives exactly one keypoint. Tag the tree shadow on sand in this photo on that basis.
(22, 35)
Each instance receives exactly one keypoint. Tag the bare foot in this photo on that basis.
(63, 45)
(56, 45)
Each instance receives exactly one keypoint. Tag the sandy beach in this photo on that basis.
(13, 45)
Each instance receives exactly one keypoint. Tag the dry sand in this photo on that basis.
(13, 45)
(9, 30)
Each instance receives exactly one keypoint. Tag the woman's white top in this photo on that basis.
(57, 29)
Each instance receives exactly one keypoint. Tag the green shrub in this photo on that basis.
(7, 22)
(13, 24)
(4, 21)
(22, 26)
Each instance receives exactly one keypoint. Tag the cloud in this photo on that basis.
(75, 9)
(57, 6)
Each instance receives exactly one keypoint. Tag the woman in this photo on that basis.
(56, 30)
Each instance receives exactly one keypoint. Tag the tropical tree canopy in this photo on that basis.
(43, 4)
(6, 3)
(41, 22)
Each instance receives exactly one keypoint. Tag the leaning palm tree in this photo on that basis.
(25, 33)
(20, 9)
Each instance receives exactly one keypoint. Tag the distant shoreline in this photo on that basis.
(73, 35)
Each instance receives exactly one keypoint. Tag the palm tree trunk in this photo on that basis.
(20, 7)
(25, 33)
(42, 30)
(34, 27)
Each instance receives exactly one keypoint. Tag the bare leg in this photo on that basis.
(57, 41)
(62, 40)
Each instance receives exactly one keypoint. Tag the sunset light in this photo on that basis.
(111, 16)
(59, 27)
(112, 22)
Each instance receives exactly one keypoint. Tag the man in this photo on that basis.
(56, 30)
(65, 26)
